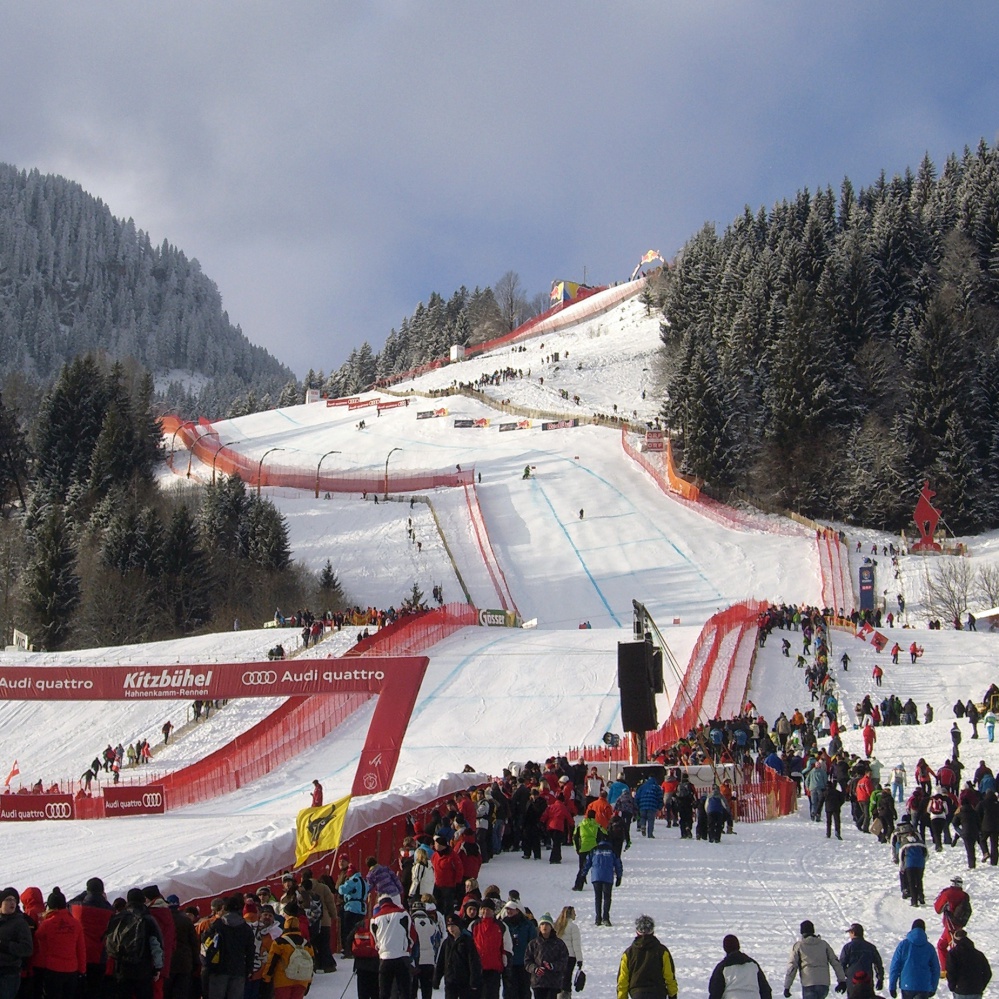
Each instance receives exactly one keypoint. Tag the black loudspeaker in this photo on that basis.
(638, 773)
(638, 703)
(658, 684)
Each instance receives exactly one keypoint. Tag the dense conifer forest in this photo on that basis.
(74, 279)
(830, 354)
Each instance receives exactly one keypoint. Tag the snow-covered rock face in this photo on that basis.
(493, 695)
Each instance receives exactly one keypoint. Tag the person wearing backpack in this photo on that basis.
(953, 905)
(135, 948)
(229, 952)
(290, 966)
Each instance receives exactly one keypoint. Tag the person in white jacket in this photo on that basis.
(422, 875)
(567, 930)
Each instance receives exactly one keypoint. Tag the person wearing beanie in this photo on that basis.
(737, 975)
(458, 966)
(235, 950)
(16, 944)
(430, 932)
(60, 951)
(160, 911)
(859, 954)
(135, 969)
(278, 969)
(92, 910)
(522, 931)
(395, 935)
(968, 969)
(811, 958)
(915, 966)
(186, 961)
(546, 959)
(646, 966)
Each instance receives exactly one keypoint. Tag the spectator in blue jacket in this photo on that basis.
(649, 798)
(914, 965)
(605, 869)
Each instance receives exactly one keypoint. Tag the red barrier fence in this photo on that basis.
(660, 467)
(486, 550)
(837, 585)
(206, 446)
(417, 633)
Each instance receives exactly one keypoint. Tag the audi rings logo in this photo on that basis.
(152, 800)
(58, 810)
(259, 677)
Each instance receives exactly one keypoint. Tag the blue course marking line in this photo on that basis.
(582, 561)
(665, 537)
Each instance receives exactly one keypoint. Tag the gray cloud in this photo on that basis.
(330, 165)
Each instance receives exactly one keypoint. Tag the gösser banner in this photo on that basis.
(33, 807)
(147, 800)
(206, 682)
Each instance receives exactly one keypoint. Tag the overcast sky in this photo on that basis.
(330, 164)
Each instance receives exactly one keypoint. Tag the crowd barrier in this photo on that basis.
(416, 633)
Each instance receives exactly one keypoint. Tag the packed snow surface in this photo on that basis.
(580, 539)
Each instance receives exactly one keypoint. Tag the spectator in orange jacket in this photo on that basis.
(602, 811)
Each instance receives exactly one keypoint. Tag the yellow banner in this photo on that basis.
(319, 829)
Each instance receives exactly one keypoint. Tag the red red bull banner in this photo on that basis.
(35, 807)
(144, 800)
(207, 682)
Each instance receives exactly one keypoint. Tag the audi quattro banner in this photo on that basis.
(35, 807)
(147, 800)
(207, 682)
(559, 424)
(345, 401)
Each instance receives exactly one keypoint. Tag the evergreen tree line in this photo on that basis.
(102, 555)
(832, 353)
(466, 318)
(74, 279)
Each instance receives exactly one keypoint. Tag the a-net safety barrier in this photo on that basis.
(204, 443)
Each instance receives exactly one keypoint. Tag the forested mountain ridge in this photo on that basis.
(74, 279)
(830, 354)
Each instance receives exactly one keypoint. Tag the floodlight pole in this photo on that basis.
(320, 465)
(260, 465)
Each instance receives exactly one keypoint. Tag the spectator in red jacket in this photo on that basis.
(557, 820)
(449, 874)
(60, 951)
(93, 912)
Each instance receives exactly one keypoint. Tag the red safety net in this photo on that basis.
(837, 587)
(486, 550)
(206, 446)
(660, 467)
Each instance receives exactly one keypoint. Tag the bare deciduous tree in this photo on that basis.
(511, 300)
(949, 583)
(987, 585)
